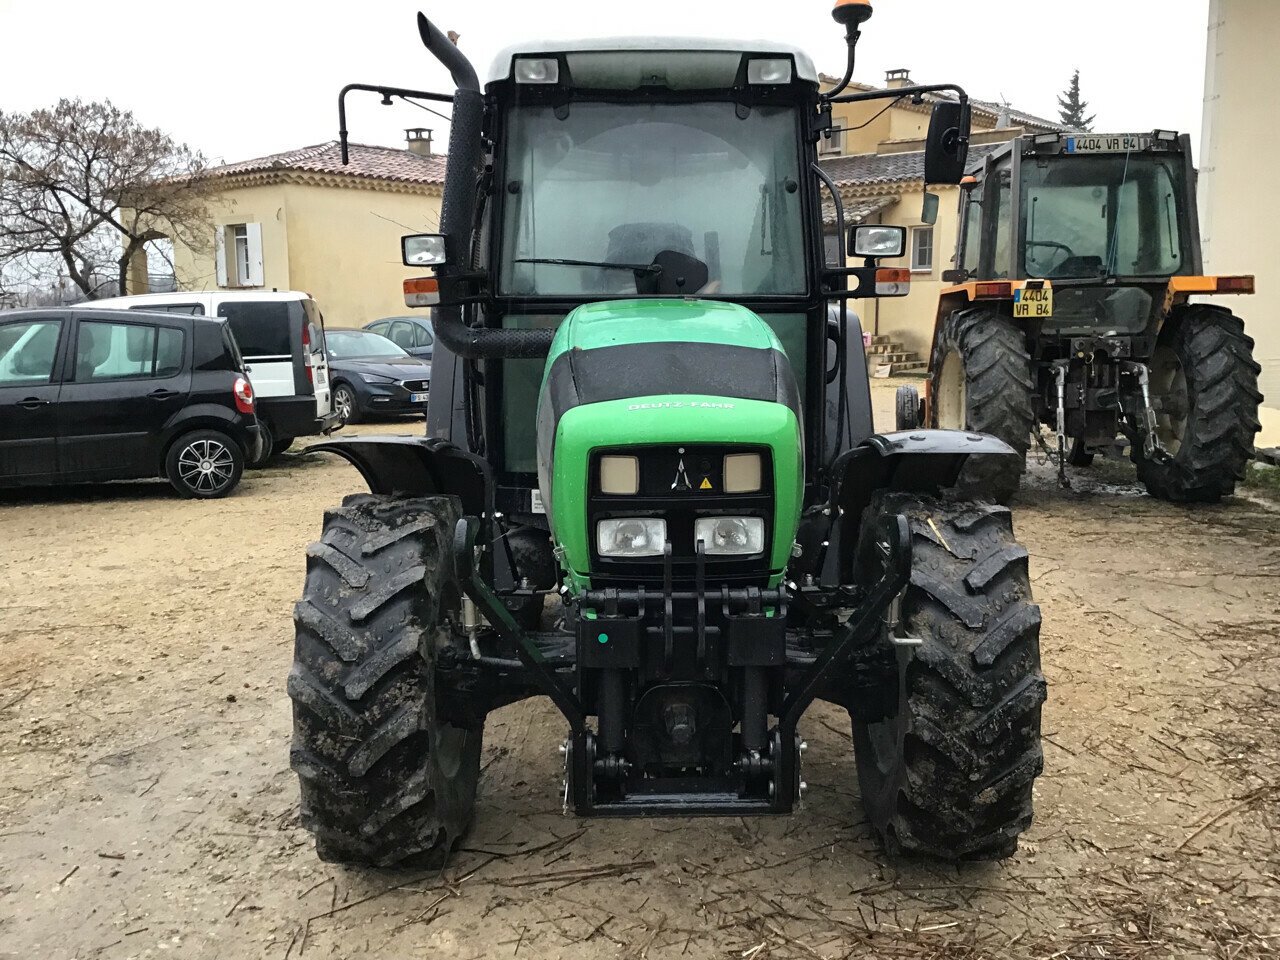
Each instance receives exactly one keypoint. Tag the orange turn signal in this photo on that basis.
(893, 282)
(421, 292)
(1002, 291)
(1235, 284)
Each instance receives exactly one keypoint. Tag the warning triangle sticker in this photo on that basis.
(705, 484)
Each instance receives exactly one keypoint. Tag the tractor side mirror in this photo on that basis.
(877, 242)
(929, 213)
(946, 151)
(955, 276)
(423, 250)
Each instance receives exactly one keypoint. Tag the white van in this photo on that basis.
(281, 336)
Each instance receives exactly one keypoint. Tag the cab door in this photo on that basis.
(30, 348)
(125, 380)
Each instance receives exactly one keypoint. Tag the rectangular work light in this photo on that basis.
(537, 70)
(766, 72)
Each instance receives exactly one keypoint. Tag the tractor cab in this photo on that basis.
(1106, 220)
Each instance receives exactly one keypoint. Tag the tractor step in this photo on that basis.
(899, 369)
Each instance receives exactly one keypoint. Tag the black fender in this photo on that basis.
(417, 467)
(918, 461)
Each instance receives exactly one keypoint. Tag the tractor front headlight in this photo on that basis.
(631, 537)
(730, 536)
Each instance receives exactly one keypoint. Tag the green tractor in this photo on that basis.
(1069, 306)
(650, 488)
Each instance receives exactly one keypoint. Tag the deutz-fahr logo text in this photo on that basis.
(681, 404)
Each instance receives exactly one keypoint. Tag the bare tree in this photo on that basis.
(86, 186)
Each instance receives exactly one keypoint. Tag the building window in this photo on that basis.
(238, 255)
(833, 146)
(922, 249)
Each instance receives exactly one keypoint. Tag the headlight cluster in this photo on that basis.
(646, 536)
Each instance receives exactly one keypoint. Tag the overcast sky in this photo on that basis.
(238, 80)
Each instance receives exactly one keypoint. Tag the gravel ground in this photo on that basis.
(147, 808)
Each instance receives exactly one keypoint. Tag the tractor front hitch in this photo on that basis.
(775, 764)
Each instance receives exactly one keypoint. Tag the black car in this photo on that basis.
(371, 375)
(414, 335)
(89, 395)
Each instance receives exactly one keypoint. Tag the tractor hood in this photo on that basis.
(660, 374)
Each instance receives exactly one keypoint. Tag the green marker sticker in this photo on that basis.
(603, 638)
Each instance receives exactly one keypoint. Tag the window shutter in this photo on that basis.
(220, 255)
(253, 237)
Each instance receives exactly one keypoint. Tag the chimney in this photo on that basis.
(893, 79)
(418, 140)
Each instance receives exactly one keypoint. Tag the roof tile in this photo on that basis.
(366, 162)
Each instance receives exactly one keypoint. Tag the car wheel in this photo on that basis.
(281, 445)
(204, 464)
(345, 405)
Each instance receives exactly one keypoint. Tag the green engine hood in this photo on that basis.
(664, 372)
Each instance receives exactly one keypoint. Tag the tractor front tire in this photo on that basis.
(983, 384)
(947, 773)
(1204, 386)
(907, 408)
(384, 778)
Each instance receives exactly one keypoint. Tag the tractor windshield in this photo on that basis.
(1102, 216)
(619, 183)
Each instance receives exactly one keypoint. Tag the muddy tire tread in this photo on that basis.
(361, 684)
(1222, 380)
(971, 752)
(999, 397)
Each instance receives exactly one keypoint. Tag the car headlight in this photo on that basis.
(631, 537)
(730, 536)
(375, 378)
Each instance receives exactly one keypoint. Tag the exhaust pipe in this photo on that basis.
(458, 210)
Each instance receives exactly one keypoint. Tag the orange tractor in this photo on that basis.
(1069, 305)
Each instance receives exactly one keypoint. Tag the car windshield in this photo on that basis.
(1114, 215)
(619, 183)
(359, 345)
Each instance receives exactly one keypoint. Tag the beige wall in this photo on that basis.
(338, 243)
(344, 248)
(1238, 156)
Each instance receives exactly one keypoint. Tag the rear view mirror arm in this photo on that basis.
(386, 93)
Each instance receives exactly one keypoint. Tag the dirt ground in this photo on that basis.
(147, 808)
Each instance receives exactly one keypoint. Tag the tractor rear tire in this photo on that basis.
(384, 778)
(1204, 384)
(948, 772)
(983, 383)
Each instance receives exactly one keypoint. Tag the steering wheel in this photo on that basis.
(1062, 248)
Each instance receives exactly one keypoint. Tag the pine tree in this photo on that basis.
(1071, 109)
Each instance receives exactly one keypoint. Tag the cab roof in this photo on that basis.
(501, 69)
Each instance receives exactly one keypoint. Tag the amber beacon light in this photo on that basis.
(852, 13)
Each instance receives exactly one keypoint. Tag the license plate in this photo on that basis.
(418, 397)
(1109, 143)
(1033, 303)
